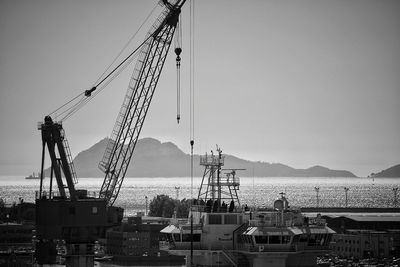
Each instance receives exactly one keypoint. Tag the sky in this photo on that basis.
(299, 82)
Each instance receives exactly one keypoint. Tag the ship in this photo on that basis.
(33, 176)
(221, 234)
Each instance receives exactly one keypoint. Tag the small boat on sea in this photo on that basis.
(33, 176)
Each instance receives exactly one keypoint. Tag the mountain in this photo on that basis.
(155, 159)
(391, 172)
(151, 159)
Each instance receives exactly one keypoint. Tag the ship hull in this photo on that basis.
(243, 259)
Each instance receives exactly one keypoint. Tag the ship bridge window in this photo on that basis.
(274, 239)
(177, 237)
(303, 238)
(324, 240)
(186, 238)
(312, 240)
(230, 219)
(166, 237)
(214, 219)
(296, 238)
(321, 240)
(285, 239)
(261, 239)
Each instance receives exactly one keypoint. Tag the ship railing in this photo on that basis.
(165, 245)
(212, 160)
(205, 208)
(316, 221)
(228, 181)
(305, 246)
(178, 221)
(186, 245)
(186, 227)
(199, 208)
(316, 247)
(262, 223)
(269, 248)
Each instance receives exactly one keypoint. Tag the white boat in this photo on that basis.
(233, 235)
(33, 176)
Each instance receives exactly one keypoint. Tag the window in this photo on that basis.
(274, 239)
(177, 237)
(186, 238)
(261, 239)
(312, 240)
(285, 239)
(303, 238)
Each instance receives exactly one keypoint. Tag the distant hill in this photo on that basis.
(391, 172)
(155, 159)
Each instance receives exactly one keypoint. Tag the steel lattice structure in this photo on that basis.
(137, 100)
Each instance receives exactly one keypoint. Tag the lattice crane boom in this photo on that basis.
(137, 100)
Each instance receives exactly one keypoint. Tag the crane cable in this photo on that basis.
(86, 96)
(191, 59)
(192, 68)
(178, 89)
(126, 45)
(178, 51)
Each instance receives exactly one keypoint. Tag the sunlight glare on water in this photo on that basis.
(363, 192)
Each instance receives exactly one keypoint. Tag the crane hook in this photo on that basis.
(178, 52)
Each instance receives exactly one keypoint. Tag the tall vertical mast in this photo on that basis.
(215, 188)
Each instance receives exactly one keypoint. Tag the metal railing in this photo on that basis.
(212, 160)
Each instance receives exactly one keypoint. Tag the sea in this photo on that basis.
(253, 191)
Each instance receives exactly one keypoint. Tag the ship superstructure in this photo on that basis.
(225, 233)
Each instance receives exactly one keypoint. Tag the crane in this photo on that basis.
(71, 214)
(130, 120)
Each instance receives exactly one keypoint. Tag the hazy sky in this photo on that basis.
(301, 82)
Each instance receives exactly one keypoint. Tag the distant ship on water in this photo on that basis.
(33, 176)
